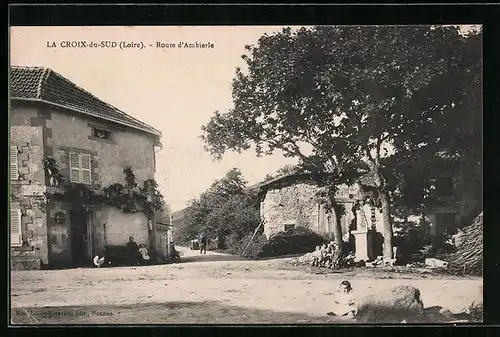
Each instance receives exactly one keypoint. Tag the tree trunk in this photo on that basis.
(387, 226)
(338, 235)
(337, 226)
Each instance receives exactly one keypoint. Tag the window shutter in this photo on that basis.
(74, 167)
(14, 169)
(85, 169)
(15, 227)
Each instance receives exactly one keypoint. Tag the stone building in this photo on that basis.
(291, 200)
(91, 142)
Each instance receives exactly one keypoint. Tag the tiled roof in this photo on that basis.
(44, 84)
(366, 179)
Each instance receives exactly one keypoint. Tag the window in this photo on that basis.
(14, 169)
(289, 226)
(15, 227)
(80, 168)
(101, 134)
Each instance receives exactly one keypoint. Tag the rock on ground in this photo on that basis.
(391, 306)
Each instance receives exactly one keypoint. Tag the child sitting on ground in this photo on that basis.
(344, 304)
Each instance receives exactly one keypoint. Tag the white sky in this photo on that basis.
(174, 90)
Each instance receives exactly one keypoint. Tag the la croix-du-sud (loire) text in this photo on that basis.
(128, 44)
(74, 44)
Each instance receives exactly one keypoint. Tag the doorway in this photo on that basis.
(81, 250)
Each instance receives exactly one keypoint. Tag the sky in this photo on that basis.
(176, 90)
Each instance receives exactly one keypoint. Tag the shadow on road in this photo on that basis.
(203, 312)
(209, 258)
(206, 312)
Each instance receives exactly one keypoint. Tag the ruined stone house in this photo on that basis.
(91, 141)
(290, 200)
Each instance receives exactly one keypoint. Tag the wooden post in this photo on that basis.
(153, 231)
(169, 234)
(151, 199)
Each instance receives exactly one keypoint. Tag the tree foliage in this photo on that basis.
(335, 96)
(282, 171)
(223, 209)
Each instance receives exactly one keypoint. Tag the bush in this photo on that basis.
(298, 240)
(415, 244)
(410, 239)
(438, 248)
(475, 310)
(234, 244)
(256, 247)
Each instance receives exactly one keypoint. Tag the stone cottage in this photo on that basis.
(290, 200)
(91, 142)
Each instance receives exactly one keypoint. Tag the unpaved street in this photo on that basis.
(214, 288)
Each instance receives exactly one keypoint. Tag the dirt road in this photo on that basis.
(213, 288)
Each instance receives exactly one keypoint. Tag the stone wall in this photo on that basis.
(161, 241)
(34, 230)
(27, 191)
(295, 204)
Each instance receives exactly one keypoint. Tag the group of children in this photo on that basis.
(327, 255)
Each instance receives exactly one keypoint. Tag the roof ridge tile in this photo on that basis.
(43, 79)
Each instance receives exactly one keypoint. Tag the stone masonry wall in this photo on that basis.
(27, 135)
(295, 204)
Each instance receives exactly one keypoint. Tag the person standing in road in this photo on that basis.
(203, 244)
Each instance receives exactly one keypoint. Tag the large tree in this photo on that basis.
(223, 209)
(335, 96)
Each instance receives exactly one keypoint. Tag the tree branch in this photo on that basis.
(377, 151)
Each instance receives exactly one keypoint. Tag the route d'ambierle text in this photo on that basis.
(106, 44)
(179, 45)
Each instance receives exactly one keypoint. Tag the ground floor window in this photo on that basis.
(15, 227)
